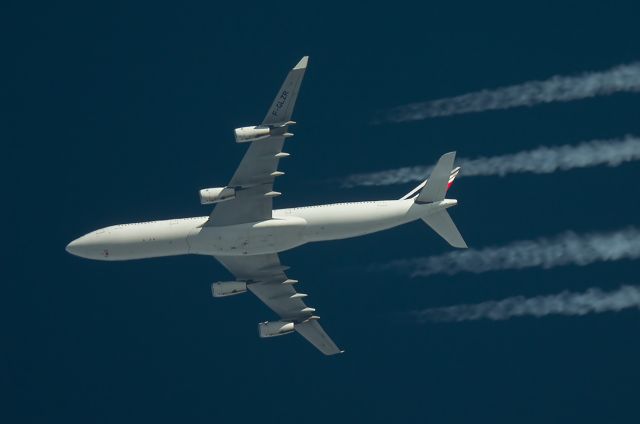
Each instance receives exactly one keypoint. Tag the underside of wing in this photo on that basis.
(313, 332)
(253, 180)
(253, 184)
(265, 277)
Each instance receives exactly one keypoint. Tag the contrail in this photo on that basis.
(592, 301)
(542, 160)
(555, 89)
(564, 249)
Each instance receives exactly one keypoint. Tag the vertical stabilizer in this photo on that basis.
(436, 189)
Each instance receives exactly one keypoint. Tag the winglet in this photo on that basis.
(281, 109)
(303, 63)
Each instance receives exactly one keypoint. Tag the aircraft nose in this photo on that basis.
(87, 246)
(78, 246)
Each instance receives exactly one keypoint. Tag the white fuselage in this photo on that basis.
(287, 228)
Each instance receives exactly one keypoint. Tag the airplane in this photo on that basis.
(245, 234)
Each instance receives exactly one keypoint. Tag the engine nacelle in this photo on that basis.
(259, 132)
(247, 134)
(228, 288)
(216, 195)
(275, 328)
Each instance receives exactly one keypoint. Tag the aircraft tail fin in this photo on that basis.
(442, 224)
(413, 193)
(434, 190)
(438, 181)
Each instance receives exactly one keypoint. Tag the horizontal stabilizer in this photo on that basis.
(442, 224)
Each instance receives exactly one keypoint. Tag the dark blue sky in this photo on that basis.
(117, 113)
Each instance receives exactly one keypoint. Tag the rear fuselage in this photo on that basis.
(287, 229)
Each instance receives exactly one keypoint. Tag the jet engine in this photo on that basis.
(216, 195)
(275, 328)
(247, 134)
(228, 288)
(259, 132)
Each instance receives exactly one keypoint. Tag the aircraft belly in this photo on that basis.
(270, 236)
(331, 222)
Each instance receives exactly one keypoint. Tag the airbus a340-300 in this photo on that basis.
(245, 234)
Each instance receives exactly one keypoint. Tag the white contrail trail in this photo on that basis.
(555, 89)
(564, 249)
(592, 301)
(542, 160)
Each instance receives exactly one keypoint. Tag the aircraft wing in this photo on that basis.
(266, 278)
(258, 169)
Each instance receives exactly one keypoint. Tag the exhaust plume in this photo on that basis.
(592, 301)
(555, 89)
(567, 248)
(542, 160)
